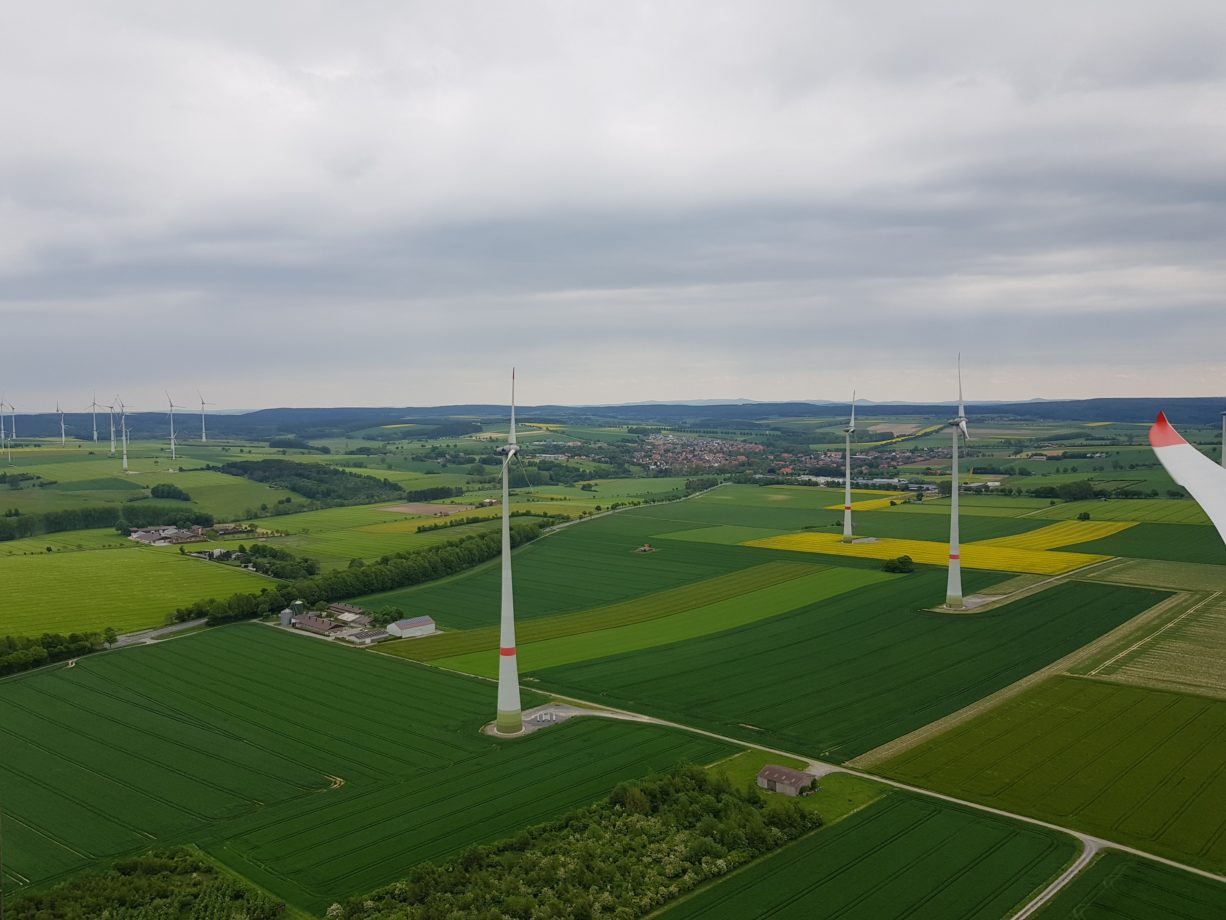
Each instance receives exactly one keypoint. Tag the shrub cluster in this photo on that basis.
(169, 490)
(625, 857)
(168, 883)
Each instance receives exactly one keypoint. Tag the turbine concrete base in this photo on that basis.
(510, 722)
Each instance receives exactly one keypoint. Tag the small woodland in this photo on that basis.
(646, 844)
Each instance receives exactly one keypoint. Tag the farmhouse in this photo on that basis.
(412, 628)
(340, 611)
(314, 624)
(784, 780)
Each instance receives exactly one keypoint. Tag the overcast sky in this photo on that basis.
(389, 203)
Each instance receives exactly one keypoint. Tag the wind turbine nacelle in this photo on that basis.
(850, 429)
(508, 450)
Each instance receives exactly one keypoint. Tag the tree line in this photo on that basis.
(649, 842)
(317, 481)
(398, 570)
(121, 517)
(21, 653)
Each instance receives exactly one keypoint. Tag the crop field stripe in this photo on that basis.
(974, 555)
(903, 856)
(652, 606)
(689, 624)
(1065, 533)
(1137, 765)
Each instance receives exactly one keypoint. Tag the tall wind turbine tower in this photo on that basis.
(1224, 439)
(3, 404)
(510, 720)
(171, 403)
(93, 408)
(204, 435)
(848, 432)
(110, 412)
(953, 590)
(123, 431)
(63, 438)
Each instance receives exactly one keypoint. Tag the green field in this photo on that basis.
(1118, 886)
(1174, 542)
(128, 589)
(639, 610)
(319, 772)
(1140, 766)
(729, 613)
(1186, 652)
(1151, 510)
(840, 677)
(903, 857)
(1177, 576)
(586, 565)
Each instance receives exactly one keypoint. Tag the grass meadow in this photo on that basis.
(1140, 766)
(130, 588)
(318, 772)
(902, 857)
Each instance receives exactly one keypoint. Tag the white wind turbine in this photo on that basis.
(204, 435)
(173, 442)
(110, 412)
(953, 590)
(848, 432)
(123, 430)
(4, 439)
(93, 408)
(510, 719)
(60, 412)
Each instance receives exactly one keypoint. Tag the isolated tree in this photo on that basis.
(109, 636)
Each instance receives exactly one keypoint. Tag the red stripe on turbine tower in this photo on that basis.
(506, 651)
(955, 556)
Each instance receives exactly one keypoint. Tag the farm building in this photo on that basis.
(368, 636)
(410, 629)
(314, 624)
(286, 617)
(783, 780)
(341, 611)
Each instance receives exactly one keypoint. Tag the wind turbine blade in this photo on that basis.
(1203, 478)
(853, 408)
(511, 438)
(524, 469)
(962, 427)
(961, 406)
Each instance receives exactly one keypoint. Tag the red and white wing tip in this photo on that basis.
(1162, 434)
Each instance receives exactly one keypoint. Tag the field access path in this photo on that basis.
(555, 713)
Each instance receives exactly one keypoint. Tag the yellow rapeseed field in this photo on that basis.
(872, 504)
(1066, 533)
(927, 552)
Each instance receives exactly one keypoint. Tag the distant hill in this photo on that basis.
(451, 421)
